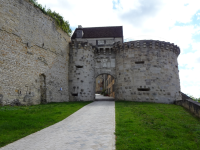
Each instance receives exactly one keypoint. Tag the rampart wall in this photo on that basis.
(147, 70)
(188, 103)
(33, 55)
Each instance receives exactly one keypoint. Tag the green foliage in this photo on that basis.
(194, 98)
(20, 121)
(64, 25)
(151, 126)
(103, 91)
(105, 94)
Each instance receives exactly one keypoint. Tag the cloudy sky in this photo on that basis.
(175, 21)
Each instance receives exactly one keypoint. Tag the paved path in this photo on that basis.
(90, 128)
(99, 97)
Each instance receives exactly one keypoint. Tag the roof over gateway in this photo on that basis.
(100, 32)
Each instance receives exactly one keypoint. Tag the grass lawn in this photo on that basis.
(150, 126)
(20, 121)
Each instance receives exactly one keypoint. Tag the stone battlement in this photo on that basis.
(81, 45)
(42, 64)
(142, 44)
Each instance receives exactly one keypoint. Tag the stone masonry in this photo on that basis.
(81, 75)
(33, 55)
(39, 63)
(147, 70)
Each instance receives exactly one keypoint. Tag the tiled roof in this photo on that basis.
(100, 32)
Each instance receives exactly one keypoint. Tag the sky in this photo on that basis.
(174, 21)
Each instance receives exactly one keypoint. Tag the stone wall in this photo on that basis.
(188, 103)
(34, 61)
(81, 72)
(147, 71)
(101, 42)
(104, 61)
(104, 56)
(144, 70)
(33, 55)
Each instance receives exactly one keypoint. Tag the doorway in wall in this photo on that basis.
(105, 85)
(43, 89)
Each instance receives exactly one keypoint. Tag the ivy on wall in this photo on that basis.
(64, 25)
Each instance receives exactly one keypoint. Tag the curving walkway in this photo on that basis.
(90, 128)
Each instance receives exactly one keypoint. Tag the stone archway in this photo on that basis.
(104, 62)
(93, 61)
(107, 82)
(105, 72)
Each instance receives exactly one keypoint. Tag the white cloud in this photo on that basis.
(166, 20)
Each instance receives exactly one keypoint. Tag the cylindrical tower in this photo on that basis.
(147, 70)
(81, 72)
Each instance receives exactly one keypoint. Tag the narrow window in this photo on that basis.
(79, 66)
(143, 89)
(139, 62)
(74, 94)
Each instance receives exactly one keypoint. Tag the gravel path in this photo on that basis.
(90, 128)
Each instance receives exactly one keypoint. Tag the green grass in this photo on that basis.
(17, 122)
(150, 126)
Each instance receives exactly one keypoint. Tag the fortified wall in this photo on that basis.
(86, 62)
(147, 70)
(82, 73)
(39, 63)
(33, 56)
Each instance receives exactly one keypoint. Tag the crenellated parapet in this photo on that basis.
(147, 44)
(82, 45)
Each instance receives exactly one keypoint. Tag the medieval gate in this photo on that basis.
(144, 70)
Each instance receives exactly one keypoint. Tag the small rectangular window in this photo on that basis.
(139, 62)
(100, 42)
(74, 94)
(143, 89)
(79, 66)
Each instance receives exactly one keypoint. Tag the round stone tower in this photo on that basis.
(147, 70)
(81, 72)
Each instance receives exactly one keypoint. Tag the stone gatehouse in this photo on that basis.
(40, 63)
(145, 70)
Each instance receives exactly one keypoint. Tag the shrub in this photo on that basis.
(194, 98)
(105, 94)
(64, 25)
(103, 91)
